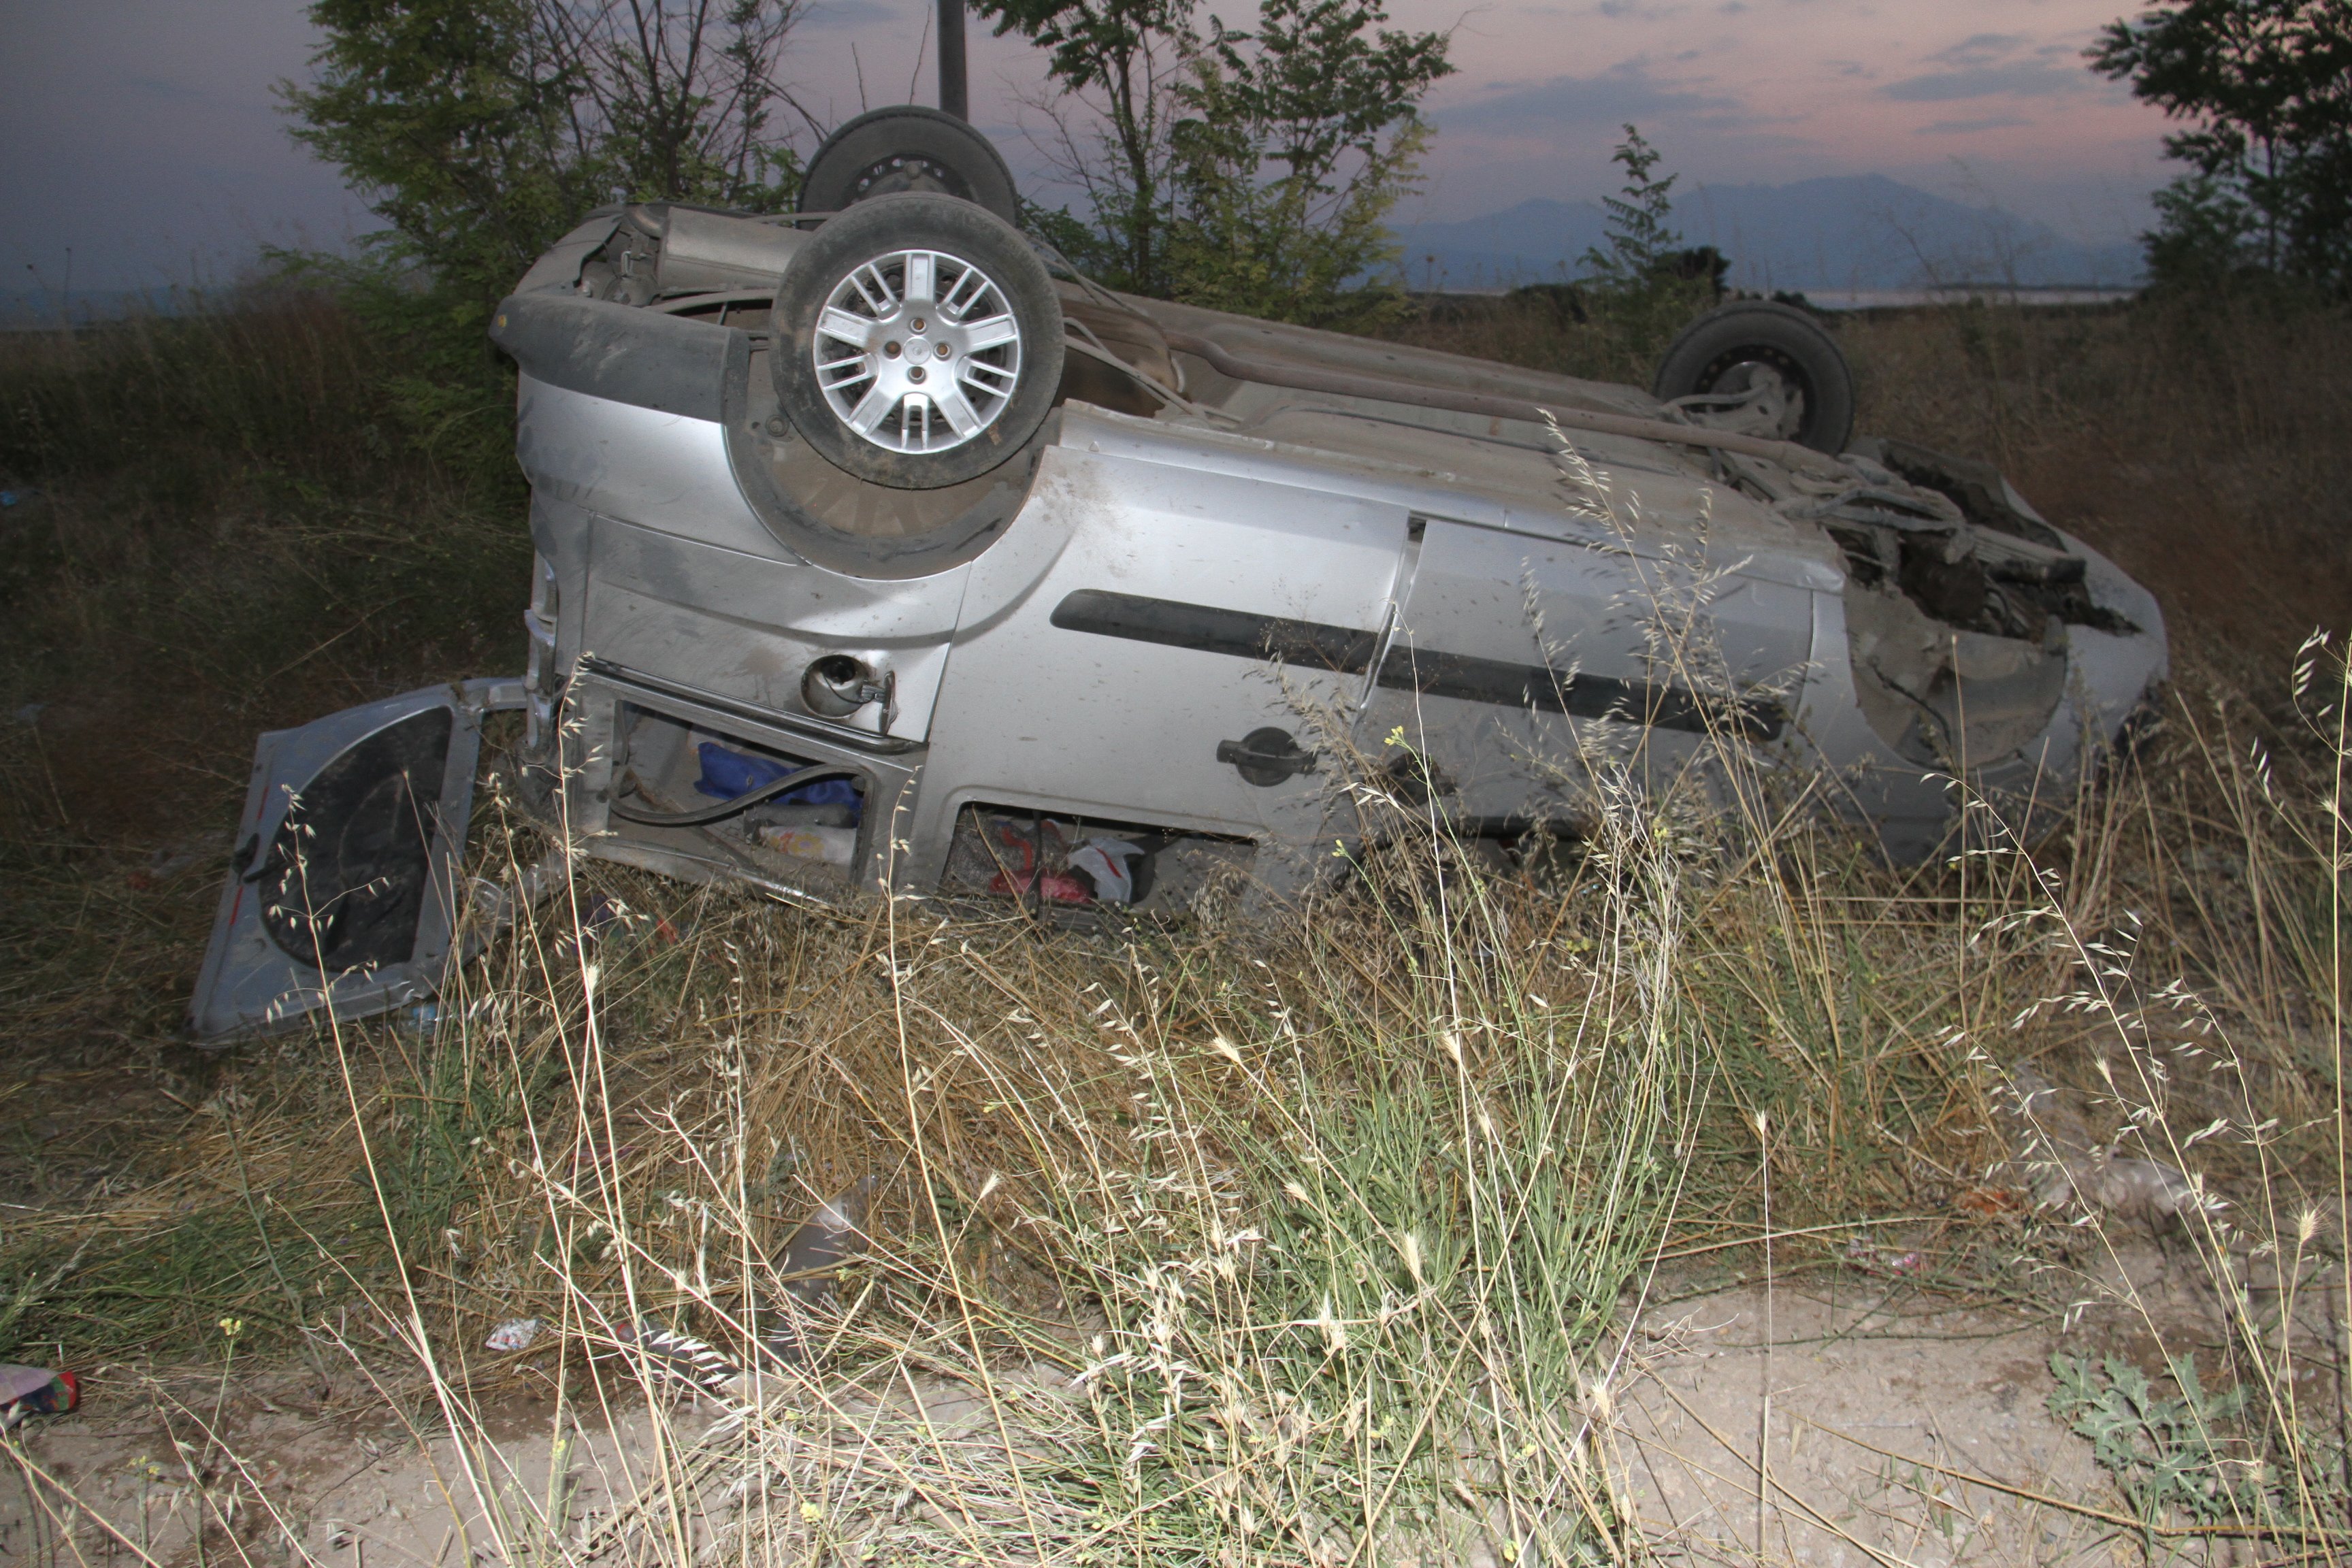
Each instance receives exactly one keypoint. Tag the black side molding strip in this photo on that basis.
(1464, 677)
(1580, 695)
(1211, 630)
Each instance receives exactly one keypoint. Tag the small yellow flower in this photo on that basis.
(811, 1512)
(232, 1327)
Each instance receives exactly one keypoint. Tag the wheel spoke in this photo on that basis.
(871, 410)
(988, 379)
(965, 294)
(958, 410)
(836, 322)
(850, 373)
(873, 288)
(989, 331)
(921, 266)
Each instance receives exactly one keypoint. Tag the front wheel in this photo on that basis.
(917, 342)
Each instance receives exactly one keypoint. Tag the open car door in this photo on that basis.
(341, 894)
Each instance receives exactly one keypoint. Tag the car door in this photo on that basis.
(341, 894)
(1521, 661)
(1158, 643)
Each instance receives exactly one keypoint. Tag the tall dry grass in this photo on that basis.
(219, 527)
(1314, 1243)
(1319, 1241)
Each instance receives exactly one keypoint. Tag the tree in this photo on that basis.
(481, 130)
(441, 112)
(684, 94)
(1297, 141)
(1639, 238)
(1120, 59)
(1249, 169)
(1642, 285)
(2265, 89)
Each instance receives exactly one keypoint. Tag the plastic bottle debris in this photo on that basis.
(35, 1391)
(819, 1244)
(515, 1334)
(808, 1262)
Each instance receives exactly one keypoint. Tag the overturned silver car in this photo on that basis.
(875, 556)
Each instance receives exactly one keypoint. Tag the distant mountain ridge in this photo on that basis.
(1852, 231)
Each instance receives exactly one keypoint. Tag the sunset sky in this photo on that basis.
(142, 133)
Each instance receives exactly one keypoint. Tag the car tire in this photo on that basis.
(907, 148)
(1718, 352)
(917, 342)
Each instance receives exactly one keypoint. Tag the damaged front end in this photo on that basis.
(1980, 643)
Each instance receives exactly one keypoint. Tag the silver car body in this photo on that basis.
(1093, 633)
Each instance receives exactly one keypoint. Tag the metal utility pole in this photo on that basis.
(953, 97)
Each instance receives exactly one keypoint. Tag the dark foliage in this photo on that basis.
(2265, 89)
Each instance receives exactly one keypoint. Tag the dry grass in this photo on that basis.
(1314, 1242)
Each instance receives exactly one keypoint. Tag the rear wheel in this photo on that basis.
(1764, 368)
(917, 342)
(907, 148)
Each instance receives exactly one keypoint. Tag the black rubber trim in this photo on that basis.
(642, 358)
(1464, 677)
(1212, 630)
(1580, 696)
(619, 806)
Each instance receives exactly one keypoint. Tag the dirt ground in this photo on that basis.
(1805, 1429)
(1859, 1421)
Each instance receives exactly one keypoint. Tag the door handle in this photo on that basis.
(1266, 757)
